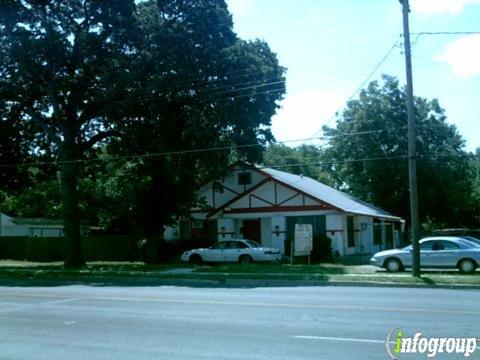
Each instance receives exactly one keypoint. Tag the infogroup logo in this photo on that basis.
(397, 343)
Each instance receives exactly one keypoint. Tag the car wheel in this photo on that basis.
(195, 259)
(393, 265)
(467, 266)
(245, 259)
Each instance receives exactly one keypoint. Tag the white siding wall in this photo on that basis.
(278, 241)
(334, 223)
(217, 199)
(229, 229)
(238, 225)
(365, 236)
(16, 230)
(284, 194)
(266, 231)
(265, 194)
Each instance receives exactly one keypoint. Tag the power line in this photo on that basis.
(445, 33)
(160, 154)
(377, 66)
(192, 151)
(435, 158)
(394, 157)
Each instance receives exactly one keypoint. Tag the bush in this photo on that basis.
(322, 248)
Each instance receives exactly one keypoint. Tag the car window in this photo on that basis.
(253, 244)
(438, 245)
(448, 245)
(426, 245)
(237, 245)
(472, 240)
(220, 245)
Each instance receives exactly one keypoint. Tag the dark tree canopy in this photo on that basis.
(444, 175)
(122, 78)
(301, 160)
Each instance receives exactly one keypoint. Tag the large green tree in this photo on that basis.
(476, 184)
(211, 90)
(153, 77)
(13, 154)
(368, 149)
(63, 69)
(300, 160)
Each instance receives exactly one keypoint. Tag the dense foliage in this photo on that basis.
(302, 160)
(91, 80)
(378, 118)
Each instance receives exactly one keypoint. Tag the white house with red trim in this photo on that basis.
(264, 204)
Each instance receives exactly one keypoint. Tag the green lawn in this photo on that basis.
(93, 266)
(289, 269)
(274, 272)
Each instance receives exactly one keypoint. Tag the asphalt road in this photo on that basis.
(165, 322)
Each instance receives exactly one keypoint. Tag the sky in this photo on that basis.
(330, 47)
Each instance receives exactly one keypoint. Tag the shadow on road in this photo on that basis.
(152, 282)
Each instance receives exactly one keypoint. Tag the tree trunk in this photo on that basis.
(73, 245)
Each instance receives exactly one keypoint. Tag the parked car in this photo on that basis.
(435, 252)
(472, 239)
(243, 251)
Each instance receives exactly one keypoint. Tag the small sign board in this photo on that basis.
(303, 240)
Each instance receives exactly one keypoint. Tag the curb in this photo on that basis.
(99, 280)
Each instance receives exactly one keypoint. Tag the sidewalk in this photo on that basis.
(249, 277)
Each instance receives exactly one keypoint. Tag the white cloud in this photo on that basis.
(304, 113)
(436, 7)
(463, 55)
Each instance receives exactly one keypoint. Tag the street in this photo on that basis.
(167, 322)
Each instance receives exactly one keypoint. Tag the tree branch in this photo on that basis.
(30, 111)
(99, 137)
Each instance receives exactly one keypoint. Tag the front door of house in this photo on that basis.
(251, 230)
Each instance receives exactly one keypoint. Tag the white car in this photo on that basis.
(243, 251)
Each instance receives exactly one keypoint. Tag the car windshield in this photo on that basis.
(253, 244)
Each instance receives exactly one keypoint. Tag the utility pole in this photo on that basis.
(412, 152)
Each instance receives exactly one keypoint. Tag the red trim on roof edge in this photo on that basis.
(277, 209)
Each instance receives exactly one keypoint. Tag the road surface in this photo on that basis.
(166, 322)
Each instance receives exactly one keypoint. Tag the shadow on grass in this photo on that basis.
(428, 280)
(216, 282)
(328, 269)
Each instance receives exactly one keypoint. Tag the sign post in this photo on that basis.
(303, 241)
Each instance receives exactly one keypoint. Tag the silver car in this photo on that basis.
(243, 251)
(472, 239)
(435, 252)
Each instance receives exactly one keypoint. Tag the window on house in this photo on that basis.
(245, 178)
(350, 232)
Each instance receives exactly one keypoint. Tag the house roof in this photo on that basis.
(33, 221)
(37, 221)
(327, 194)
